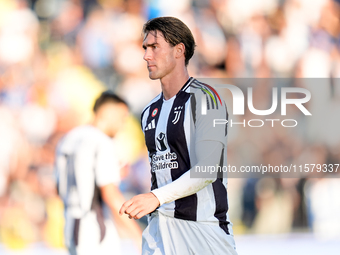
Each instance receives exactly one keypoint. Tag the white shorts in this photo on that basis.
(165, 235)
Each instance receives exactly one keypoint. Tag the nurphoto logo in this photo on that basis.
(239, 106)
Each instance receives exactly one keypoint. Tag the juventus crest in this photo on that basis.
(178, 111)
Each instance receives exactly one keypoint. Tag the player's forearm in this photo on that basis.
(131, 226)
(114, 199)
(128, 228)
(182, 187)
(186, 186)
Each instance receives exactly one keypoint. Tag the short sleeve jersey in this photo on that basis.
(84, 161)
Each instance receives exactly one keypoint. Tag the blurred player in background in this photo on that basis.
(188, 215)
(88, 174)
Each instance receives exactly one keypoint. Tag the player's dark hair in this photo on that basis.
(107, 97)
(174, 32)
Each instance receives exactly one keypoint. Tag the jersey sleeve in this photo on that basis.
(107, 168)
(211, 117)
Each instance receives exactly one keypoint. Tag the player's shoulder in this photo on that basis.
(81, 131)
(197, 89)
(82, 134)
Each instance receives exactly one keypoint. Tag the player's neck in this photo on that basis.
(173, 82)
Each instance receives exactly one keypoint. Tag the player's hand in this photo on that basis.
(140, 205)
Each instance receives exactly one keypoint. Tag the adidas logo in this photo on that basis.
(151, 125)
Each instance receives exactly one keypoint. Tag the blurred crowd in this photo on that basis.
(57, 56)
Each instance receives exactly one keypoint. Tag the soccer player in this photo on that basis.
(186, 215)
(88, 175)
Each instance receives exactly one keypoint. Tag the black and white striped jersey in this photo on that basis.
(84, 162)
(172, 130)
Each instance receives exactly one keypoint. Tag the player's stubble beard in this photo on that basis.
(156, 73)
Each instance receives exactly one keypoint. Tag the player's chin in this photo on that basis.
(153, 76)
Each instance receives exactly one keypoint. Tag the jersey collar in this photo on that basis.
(187, 84)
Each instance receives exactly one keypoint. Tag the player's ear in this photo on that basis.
(180, 50)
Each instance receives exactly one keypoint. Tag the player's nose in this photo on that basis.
(147, 55)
